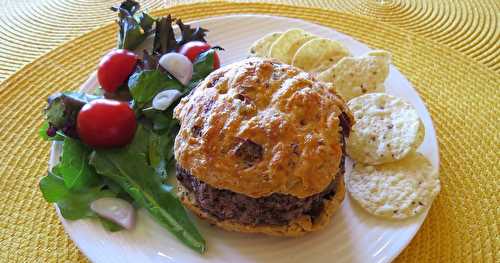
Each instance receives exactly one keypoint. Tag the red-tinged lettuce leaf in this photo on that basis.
(62, 110)
(190, 34)
(43, 132)
(164, 41)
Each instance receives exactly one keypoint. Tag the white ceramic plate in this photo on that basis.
(353, 236)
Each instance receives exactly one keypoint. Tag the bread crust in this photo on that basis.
(297, 227)
(259, 127)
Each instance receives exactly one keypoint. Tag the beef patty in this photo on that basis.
(275, 209)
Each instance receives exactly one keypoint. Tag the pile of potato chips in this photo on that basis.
(389, 178)
(328, 60)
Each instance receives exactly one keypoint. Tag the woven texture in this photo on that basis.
(460, 89)
(468, 26)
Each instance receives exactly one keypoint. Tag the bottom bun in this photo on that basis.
(297, 227)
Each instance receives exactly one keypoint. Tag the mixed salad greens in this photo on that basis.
(118, 142)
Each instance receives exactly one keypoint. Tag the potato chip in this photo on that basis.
(260, 48)
(319, 54)
(355, 76)
(420, 136)
(286, 45)
(395, 190)
(386, 129)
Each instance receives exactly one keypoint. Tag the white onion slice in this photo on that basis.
(165, 98)
(117, 210)
(178, 65)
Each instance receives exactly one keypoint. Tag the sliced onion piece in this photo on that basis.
(178, 65)
(165, 98)
(117, 210)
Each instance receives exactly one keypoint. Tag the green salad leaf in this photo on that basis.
(157, 153)
(77, 204)
(73, 204)
(110, 225)
(202, 67)
(134, 27)
(145, 20)
(130, 168)
(144, 85)
(74, 166)
(53, 188)
(163, 121)
(132, 34)
(73, 184)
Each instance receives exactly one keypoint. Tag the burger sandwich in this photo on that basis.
(261, 149)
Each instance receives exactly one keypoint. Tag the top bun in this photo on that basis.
(258, 127)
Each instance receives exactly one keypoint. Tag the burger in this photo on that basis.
(261, 149)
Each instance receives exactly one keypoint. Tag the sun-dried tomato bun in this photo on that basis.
(258, 127)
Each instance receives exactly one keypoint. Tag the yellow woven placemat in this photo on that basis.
(462, 96)
(30, 28)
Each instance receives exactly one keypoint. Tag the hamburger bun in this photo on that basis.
(258, 127)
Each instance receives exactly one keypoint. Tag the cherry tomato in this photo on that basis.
(106, 123)
(115, 68)
(192, 49)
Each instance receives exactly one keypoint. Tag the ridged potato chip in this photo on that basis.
(355, 76)
(319, 54)
(260, 48)
(395, 190)
(386, 129)
(286, 45)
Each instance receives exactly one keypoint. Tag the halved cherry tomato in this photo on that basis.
(106, 123)
(115, 68)
(192, 49)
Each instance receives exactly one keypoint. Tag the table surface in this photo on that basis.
(450, 52)
(468, 26)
